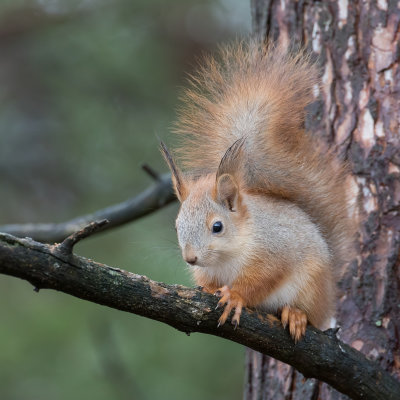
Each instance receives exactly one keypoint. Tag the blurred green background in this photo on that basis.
(86, 86)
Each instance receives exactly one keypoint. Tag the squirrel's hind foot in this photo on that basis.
(297, 321)
(231, 300)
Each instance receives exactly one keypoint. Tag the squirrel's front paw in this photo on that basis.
(297, 321)
(233, 301)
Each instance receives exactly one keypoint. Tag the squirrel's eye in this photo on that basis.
(217, 227)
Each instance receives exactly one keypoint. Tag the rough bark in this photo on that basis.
(357, 112)
(318, 354)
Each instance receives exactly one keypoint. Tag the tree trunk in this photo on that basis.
(358, 112)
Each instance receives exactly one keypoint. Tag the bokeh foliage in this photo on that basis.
(87, 86)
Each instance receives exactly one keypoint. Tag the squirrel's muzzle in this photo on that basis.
(189, 256)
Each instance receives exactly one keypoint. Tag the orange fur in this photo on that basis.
(258, 280)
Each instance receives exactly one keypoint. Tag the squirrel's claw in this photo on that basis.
(231, 300)
(238, 313)
(285, 316)
(297, 321)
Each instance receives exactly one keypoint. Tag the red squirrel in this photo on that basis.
(263, 220)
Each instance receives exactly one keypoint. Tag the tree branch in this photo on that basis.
(318, 355)
(152, 199)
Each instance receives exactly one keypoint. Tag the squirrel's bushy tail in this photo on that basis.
(259, 92)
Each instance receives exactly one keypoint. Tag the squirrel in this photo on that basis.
(264, 216)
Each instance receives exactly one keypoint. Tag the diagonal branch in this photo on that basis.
(152, 199)
(68, 243)
(318, 355)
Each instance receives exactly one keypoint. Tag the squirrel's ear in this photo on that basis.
(176, 175)
(227, 191)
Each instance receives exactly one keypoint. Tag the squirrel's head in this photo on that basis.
(210, 219)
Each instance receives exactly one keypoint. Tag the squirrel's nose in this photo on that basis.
(191, 260)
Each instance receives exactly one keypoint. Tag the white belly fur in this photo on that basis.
(284, 295)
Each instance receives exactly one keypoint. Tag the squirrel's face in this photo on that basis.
(207, 225)
(212, 210)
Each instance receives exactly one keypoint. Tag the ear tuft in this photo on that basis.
(232, 159)
(227, 191)
(176, 175)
